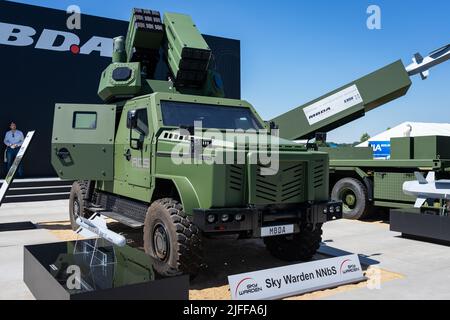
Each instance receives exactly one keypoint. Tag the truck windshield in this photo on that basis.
(179, 114)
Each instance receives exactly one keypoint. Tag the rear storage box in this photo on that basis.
(432, 147)
(402, 148)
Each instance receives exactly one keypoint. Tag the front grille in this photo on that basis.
(318, 173)
(286, 186)
(293, 186)
(236, 177)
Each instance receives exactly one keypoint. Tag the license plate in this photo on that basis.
(277, 230)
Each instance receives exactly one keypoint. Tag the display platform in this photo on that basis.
(421, 226)
(96, 270)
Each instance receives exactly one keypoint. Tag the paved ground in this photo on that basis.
(11, 243)
(407, 269)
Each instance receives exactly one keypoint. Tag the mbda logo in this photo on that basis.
(54, 40)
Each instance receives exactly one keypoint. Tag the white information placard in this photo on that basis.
(331, 105)
(296, 279)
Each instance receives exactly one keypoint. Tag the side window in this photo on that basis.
(142, 121)
(84, 120)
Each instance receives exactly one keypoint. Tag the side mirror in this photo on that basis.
(132, 119)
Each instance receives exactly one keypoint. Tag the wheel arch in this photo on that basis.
(179, 188)
(355, 173)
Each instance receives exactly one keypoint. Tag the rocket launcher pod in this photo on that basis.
(144, 39)
(135, 59)
(187, 52)
(353, 100)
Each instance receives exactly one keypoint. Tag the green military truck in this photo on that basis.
(124, 155)
(356, 178)
(363, 183)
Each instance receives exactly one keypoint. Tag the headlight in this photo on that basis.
(225, 217)
(239, 217)
(338, 209)
(211, 218)
(331, 209)
(325, 210)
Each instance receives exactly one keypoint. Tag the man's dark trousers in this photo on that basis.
(10, 156)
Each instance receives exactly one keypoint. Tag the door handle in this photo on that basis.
(127, 155)
(63, 153)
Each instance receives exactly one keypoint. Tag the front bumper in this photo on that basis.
(249, 221)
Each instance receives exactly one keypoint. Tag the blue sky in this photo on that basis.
(294, 51)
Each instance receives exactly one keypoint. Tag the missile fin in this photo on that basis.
(420, 178)
(431, 176)
(418, 58)
(424, 75)
(100, 222)
(94, 220)
(419, 202)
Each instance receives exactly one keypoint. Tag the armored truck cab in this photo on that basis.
(183, 163)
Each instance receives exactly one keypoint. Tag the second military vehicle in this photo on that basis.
(142, 160)
(356, 178)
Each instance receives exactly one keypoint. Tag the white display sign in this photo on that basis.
(296, 279)
(11, 173)
(333, 104)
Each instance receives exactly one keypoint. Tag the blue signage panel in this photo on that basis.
(381, 149)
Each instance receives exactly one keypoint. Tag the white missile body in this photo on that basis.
(428, 188)
(97, 227)
(422, 65)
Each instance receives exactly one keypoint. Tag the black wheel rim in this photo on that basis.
(161, 244)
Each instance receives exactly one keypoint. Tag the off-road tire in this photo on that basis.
(362, 209)
(297, 247)
(78, 193)
(184, 253)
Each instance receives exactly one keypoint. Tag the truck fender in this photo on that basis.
(363, 176)
(369, 185)
(187, 193)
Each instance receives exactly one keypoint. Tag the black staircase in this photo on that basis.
(40, 189)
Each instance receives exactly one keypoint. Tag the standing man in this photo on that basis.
(13, 141)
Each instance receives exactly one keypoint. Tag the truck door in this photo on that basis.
(83, 141)
(137, 149)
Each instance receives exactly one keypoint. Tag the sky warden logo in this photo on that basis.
(247, 286)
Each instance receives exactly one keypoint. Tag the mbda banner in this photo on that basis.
(43, 62)
(296, 279)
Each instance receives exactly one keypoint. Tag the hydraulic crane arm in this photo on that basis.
(353, 100)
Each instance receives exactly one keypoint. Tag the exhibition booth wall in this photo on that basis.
(42, 62)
